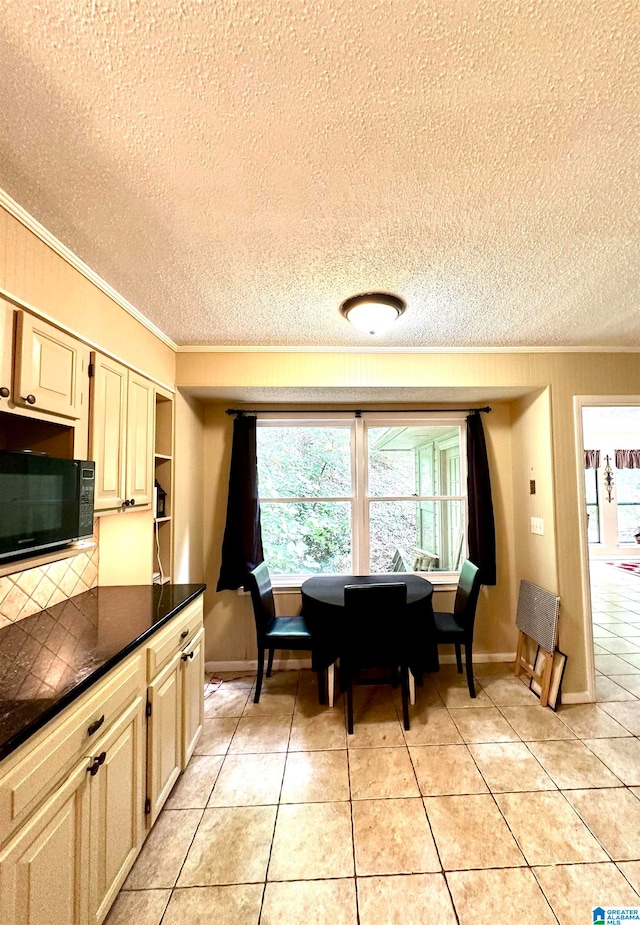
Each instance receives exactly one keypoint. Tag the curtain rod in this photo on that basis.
(357, 411)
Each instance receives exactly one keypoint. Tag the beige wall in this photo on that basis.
(188, 488)
(32, 273)
(229, 618)
(126, 548)
(533, 460)
(535, 555)
(563, 375)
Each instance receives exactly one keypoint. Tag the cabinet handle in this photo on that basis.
(126, 503)
(184, 634)
(190, 655)
(95, 726)
(132, 502)
(4, 392)
(94, 767)
(30, 399)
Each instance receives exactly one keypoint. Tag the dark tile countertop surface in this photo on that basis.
(49, 659)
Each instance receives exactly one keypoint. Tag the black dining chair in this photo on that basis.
(272, 632)
(375, 635)
(457, 627)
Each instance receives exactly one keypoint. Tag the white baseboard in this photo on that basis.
(481, 658)
(293, 664)
(576, 697)
(279, 664)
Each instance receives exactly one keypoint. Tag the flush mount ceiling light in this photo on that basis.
(373, 312)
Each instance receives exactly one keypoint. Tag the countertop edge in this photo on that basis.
(8, 747)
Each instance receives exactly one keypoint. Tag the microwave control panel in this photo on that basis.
(85, 495)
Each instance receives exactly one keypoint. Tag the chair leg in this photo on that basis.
(322, 693)
(270, 663)
(468, 648)
(458, 657)
(331, 682)
(412, 688)
(349, 685)
(260, 674)
(404, 681)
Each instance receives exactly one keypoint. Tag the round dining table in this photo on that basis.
(324, 613)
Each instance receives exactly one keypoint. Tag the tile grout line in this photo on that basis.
(278, 804)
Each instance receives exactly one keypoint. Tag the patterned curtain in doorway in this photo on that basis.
(627, 459)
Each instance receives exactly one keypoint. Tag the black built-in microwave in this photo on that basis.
(44, 502)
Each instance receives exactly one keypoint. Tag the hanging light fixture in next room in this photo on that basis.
(373, 312)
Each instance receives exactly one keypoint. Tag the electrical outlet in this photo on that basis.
(537, 526)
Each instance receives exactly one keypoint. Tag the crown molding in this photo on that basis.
(209, 348)
(26, 219)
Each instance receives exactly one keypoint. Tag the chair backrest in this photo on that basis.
(467, 594)
(375, 630)
(264, 609)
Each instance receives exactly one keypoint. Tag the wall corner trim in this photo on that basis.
(576, 697)
(26, 219)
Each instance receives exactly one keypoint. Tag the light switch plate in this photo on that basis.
(537, 526)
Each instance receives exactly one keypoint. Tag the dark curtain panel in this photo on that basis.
(242, 544)
(627, 459)
(482, 531)
(592, 459)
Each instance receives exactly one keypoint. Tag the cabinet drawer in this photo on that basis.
(65, 740)
(180, 630)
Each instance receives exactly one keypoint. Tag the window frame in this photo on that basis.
(360, 498)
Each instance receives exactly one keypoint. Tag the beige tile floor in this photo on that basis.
(486, 811)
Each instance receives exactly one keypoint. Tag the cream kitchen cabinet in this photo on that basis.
(44, 875)
(192, 700)
(175, 705)
(6, 352)
(73, 808)
(116, 808)
(164, 739)
(121, 435)
(43, 371)
(50, 369)
(68, 860)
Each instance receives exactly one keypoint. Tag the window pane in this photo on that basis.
(304, 462)
(593, 509)
(416, 460)
(594, 523)
(591, 485)
(307, 538)
(628, 503)
(421, 536)
(628, 522)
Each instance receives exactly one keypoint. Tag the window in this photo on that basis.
(628, 503)
(363, 496)
(593, 504)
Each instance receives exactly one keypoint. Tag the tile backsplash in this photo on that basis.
(23, 593)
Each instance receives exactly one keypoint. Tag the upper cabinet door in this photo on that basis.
(140, 440)
(6, 351)
(50, 368)
(107, 432)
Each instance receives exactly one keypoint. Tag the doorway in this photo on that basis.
(610, 491)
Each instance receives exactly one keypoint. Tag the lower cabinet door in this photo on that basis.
(117, 807)
(192, 695)
(164, 735)
(44, 870)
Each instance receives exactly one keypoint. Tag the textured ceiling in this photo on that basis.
(236, 169)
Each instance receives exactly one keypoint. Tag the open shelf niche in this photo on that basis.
(163, 477)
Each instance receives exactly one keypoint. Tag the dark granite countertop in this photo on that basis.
(49, 659)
